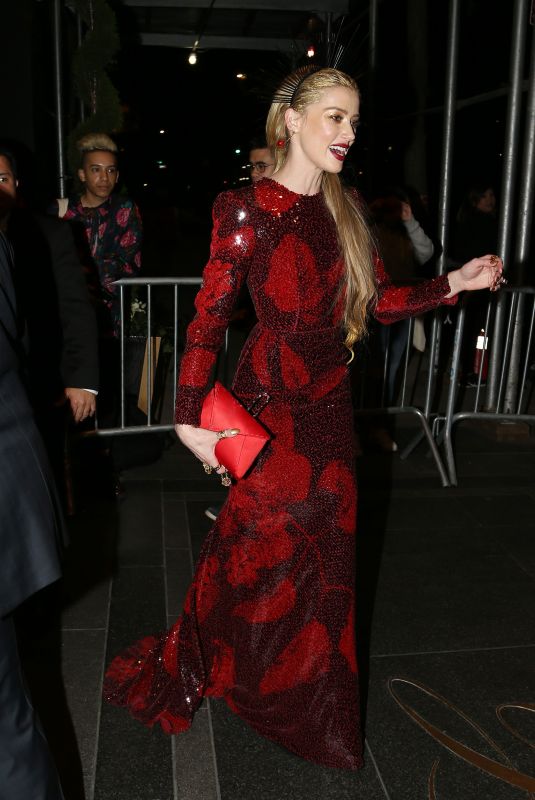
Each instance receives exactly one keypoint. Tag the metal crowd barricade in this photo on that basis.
(125, 284)
(513, 390)
(508, 395)
(404, 404)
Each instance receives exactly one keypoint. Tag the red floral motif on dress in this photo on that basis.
(269, 607)
(293, 368)
(338, 313)
(282, 283)
(225, 521)
(246, 559)
(170, 650)
(239, 242)
(326, 383)
(304, 660)
(220, 283)
(139, 690)
(285, 462)
(293, 279)
(245, 505)
(124, 668)
(338, 479)
(347, 640)
(207, 587)
(259, 359)
(278, 417)
(335, 275)
(222, 677)
(172, 723)
(190, 597)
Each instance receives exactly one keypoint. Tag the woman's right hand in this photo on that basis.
(202, 442)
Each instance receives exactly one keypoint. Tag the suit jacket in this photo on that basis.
(30, 519)
(53, 301)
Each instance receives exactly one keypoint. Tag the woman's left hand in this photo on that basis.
(479, 273)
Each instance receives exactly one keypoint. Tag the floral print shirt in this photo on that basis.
(109, 240)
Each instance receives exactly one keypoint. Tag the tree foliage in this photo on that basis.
(92, 83)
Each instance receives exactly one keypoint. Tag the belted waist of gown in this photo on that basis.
(331, 333)
(290, 364)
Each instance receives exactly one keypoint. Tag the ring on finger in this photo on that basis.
(222, 434)
(497, 283)
(207, 468)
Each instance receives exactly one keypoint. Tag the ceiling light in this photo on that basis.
(192, 58)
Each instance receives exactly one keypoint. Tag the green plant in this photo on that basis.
(93, 85)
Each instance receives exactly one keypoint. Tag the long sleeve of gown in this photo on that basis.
(230, 250)
(399, 302)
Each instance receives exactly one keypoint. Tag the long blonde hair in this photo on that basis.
(298, 91)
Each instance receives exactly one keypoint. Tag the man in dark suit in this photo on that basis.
(60, 324)
(30, 535)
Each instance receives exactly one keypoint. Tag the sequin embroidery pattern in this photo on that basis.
(268, 622)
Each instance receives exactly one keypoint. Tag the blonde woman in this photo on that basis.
(268, 623)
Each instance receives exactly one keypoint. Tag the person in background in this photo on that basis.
(60, 337)
(31, 534)
(261, 160)
(476, 224)
(110, 224)
(404, 247)
(108, 232)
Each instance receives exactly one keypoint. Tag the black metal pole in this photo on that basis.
(58, 96)
(514, 110)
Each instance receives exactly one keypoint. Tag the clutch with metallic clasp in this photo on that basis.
(221, 411)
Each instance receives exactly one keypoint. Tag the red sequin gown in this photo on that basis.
(268, 622)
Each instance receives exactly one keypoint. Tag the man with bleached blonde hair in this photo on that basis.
(108, 231)
(108, 227)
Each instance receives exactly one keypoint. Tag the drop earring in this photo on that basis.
(281, 143)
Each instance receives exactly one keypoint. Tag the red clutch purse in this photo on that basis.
(221, 411)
